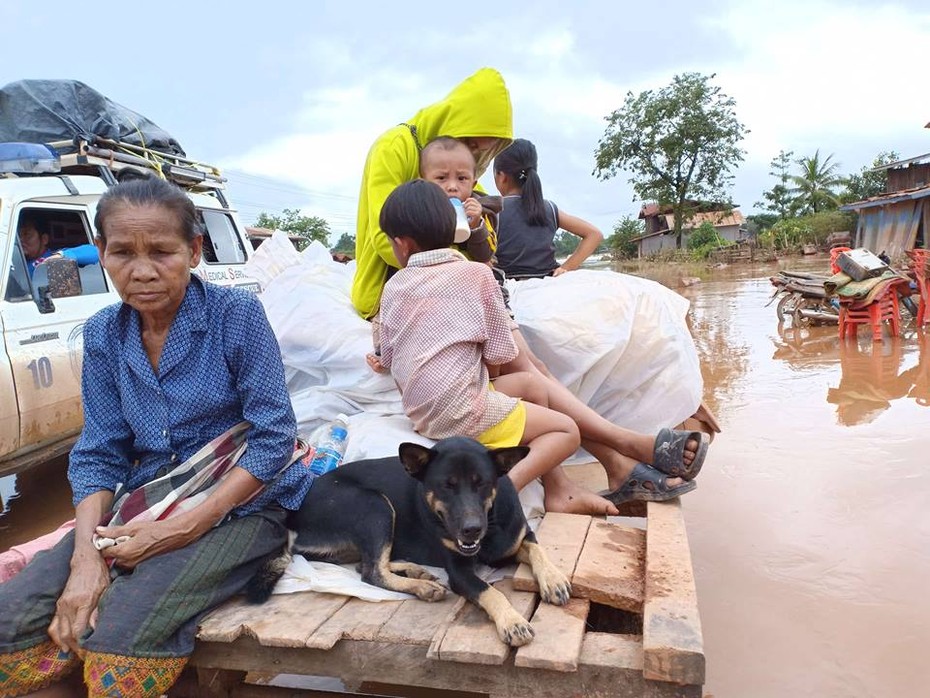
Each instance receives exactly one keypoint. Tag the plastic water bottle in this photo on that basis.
(331, 448)
(462, 229)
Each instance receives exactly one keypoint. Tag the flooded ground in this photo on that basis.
(809, 528)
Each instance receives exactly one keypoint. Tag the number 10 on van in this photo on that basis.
(41, 372)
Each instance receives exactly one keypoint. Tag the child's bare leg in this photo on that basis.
(617, 466)
(524, 384)
(553, 437)
(526, 360)
(592, 426)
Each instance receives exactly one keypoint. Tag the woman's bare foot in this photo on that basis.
(703, 420)
(571, 498)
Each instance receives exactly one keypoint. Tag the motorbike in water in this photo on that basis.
(801, 298)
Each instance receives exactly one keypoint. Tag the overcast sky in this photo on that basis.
(287, 98)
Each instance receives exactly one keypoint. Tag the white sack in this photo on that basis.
(618, 341)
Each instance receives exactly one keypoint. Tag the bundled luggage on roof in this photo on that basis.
(91, 134)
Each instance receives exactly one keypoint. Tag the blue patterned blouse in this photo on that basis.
(220, 364)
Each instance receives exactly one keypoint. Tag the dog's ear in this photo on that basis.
(415, 458)
(505, 458)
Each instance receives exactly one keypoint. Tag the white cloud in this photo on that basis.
(816, 73)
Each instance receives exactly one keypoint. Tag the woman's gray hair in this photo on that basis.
(148, 190)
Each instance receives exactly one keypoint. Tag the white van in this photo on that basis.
(40, 351)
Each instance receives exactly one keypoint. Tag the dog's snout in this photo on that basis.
(472, 531)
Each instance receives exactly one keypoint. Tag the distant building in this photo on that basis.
(898, 219)
(660, 226)
(258, 235)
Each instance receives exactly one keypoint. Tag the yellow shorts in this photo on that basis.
(507, 432)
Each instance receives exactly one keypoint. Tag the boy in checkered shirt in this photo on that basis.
(443, 322)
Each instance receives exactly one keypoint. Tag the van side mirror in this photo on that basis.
(64, 277)
(56, 278)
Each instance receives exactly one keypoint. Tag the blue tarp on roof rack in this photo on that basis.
(44, 111)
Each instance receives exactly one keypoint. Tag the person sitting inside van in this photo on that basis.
(33, 239)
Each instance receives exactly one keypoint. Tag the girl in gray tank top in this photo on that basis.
(528, 223)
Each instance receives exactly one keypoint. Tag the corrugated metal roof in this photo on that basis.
(715, 218)
(890, 198)
(653, 209)
(718, 219)
(899, 163)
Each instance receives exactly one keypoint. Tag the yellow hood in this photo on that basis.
(478, 107)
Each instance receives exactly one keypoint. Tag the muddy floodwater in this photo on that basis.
(810, 527)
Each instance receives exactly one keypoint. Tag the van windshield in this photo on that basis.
(221, 241)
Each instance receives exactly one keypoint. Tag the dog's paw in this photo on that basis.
(412, 570)
(554, 587)
(428, 590)
(516, 632)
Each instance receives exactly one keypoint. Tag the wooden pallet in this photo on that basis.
(631, 629)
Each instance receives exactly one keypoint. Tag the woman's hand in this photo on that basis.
(558, 271)
(147, 539)
(472, 211)
(77, 605)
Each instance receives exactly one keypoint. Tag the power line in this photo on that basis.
(276, 185)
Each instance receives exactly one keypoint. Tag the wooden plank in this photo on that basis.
(562, 537)
(673, 644)
(559, 633)
(285, 620)
(358, 662)
(416, 622)
(609, 650)
(439, 635)
(472, 637)
(356, 620)
(611, 566)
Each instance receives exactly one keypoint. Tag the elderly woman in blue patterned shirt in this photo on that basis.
(179, 364)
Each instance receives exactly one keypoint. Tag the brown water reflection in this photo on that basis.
(809, 528)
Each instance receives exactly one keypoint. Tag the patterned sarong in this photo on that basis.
(147, 618)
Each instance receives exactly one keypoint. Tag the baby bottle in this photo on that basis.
(462, 229)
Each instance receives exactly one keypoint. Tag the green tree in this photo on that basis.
(619, 242)
(758, 222)
(309, 228)
(869, 182)
(345, 245)
(678, 144)
(815, 187)
(565, 243)
(778, 199)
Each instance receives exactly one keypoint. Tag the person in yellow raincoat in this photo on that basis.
(478, 112)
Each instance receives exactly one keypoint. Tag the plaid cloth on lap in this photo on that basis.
(187, 485)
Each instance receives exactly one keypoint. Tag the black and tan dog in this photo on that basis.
(448, 506)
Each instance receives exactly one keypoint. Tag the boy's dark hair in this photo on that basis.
(518, 160)
(148, 190)
(419, 210)
(445, 143)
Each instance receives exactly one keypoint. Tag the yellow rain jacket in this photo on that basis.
(479, 107)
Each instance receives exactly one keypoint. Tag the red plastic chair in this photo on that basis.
(884, 307)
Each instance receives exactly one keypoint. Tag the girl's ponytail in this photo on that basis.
(518, 161)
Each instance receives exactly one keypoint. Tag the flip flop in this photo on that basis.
(669, 451)
(635, 487)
